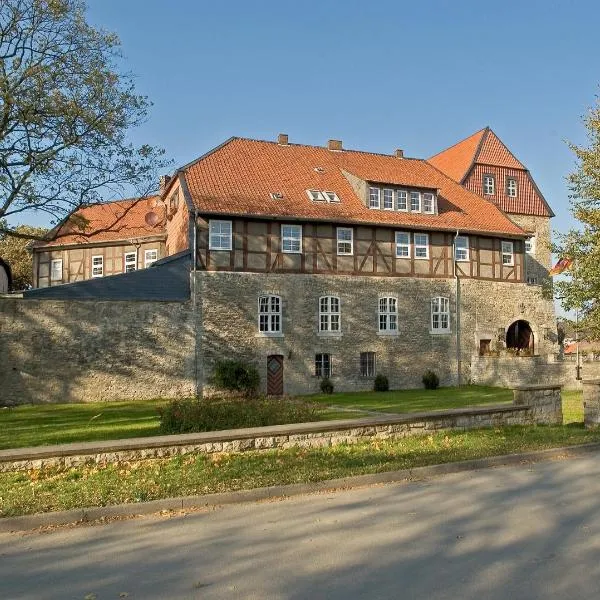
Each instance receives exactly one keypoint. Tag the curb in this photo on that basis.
(89, 515)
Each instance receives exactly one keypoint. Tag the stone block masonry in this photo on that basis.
(591, 402)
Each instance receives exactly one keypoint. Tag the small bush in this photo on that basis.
(215, 414)
(430, 380)
(326, 386)
(381, 384)
(236, 376)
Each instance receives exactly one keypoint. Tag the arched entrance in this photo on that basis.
(520, 336)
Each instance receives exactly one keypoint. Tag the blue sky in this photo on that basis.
(379, 75)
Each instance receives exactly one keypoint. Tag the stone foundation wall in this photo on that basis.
(591, 402)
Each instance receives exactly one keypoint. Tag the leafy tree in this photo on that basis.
(65, 111)
(581, 288)
(14, 250)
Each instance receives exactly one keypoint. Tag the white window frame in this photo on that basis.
(402, 200)
(292, 238)
(331, 196)
(225, 239)
(316, 195)
(98, 269)
(53, 270)
(511, 191)
(387, 309)
(149, 261)
(532, 280)
(507, 249)
(426, 198)
(330, 315)
(390, 199)
(440, 315)
(403, 245)
(370, 369)
(130, 263)
(419, 246)
(323, 366)
(489, 185)
(374, 198)
(532, 243)
(342, 243)
(461, 252)
(415, 201)
(270, 314)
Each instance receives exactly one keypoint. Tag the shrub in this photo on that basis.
(326, 385)
(215, 414)
(236, 376)
(430, 380)
(381, 384)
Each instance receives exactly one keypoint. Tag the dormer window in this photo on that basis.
(402, 200)
(489, 185)
(388, 199)
(316, 195)
(374, 199)
(428, 205)
(415, 202)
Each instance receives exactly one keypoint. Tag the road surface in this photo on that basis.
(525, 532)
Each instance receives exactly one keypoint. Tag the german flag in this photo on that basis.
(562, 265)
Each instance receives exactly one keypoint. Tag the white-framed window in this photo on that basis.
(291, 239)
(367, 364)
(388, 199)
(219, 235)
(331, 196)
(98, 266)
(440, 315)
(269, 314)
(530, 245)
(402, 200)
(415, 201)
(428, 203)
(421, 245)
(402, 244)
(150, 256)
(532, 280)
(329, 314)
(508, 258)
(316, 195)
(388, 314)
(322, 365)
(461, 248)
(489, 185)
(344, 241)
(374, 197)
(511, 187)
(129, 262)
(56, 270)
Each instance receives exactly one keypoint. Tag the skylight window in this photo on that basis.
(331, 197)
(276, 196)
(316, 195)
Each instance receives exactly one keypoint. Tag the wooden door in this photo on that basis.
(275, 375)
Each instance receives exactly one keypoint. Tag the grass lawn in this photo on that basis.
(45, 490)
(572, 406)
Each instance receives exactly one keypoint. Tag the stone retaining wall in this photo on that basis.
(591, 402)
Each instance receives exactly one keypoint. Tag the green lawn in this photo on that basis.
(572, 406)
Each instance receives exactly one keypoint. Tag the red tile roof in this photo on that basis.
(238, 177)
(120, 220)
(458, 159)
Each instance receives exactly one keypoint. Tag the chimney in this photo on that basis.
(399, 153)
(282, 139)
(163, 182)
(335, 145)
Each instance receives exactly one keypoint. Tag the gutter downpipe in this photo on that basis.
(458, 308)
(194, 215)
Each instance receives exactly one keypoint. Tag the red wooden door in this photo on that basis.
(275, 375)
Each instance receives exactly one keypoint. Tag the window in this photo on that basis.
(367, 364)
(150, 256)
(402, 244)
(315, 195)
(428, 203)
(269, 314)
(421, 245)
(344, 240)
(322, 365)
(415, 202)
(530, 245)
(291, 238)
(97, 266)
(219, 235)
(507, 253)
(511, 187)
(489, 185)
(440, 315)
(329, 314)
(402, 200)
(461, 248)
(388, 315)
(331, 197)
(56, 270)
(174, 201)
(532, 280)
(374, 197)
(129, 262)
(388, 199)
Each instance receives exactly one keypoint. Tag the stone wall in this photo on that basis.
(591, 402)
(84, 351)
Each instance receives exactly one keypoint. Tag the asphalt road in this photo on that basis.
(525, 532)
